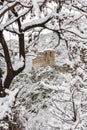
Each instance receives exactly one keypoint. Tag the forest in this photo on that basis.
(53, 96)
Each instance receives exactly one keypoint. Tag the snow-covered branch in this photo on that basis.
(8, 7)
(15, 18)
(37, 23)
(75, 32)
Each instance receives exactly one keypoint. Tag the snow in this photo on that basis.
(75, 31)
(46, 103)
(18, 63)
(48, 97)
(47, 86)
(6, 104)
(9, 36)
(36, 8)
(36, 22)
(46, 31)
(52, 110)
(5, 7)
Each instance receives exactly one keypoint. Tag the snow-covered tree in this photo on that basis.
(17, 17)
(48, 98)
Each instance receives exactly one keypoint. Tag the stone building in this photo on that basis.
(43, 59)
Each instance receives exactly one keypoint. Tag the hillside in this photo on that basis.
(51, 99)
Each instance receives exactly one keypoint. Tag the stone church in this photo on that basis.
(43, 59)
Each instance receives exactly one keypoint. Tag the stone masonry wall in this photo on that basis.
(45, 58)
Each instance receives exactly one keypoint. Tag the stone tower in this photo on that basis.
(43, 59)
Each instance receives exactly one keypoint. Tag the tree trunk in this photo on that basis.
(8, 61)
(10, 72)
(2, 91)
(21, 45)
(6, 52)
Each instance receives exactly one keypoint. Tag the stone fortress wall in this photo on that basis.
(43, 59)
